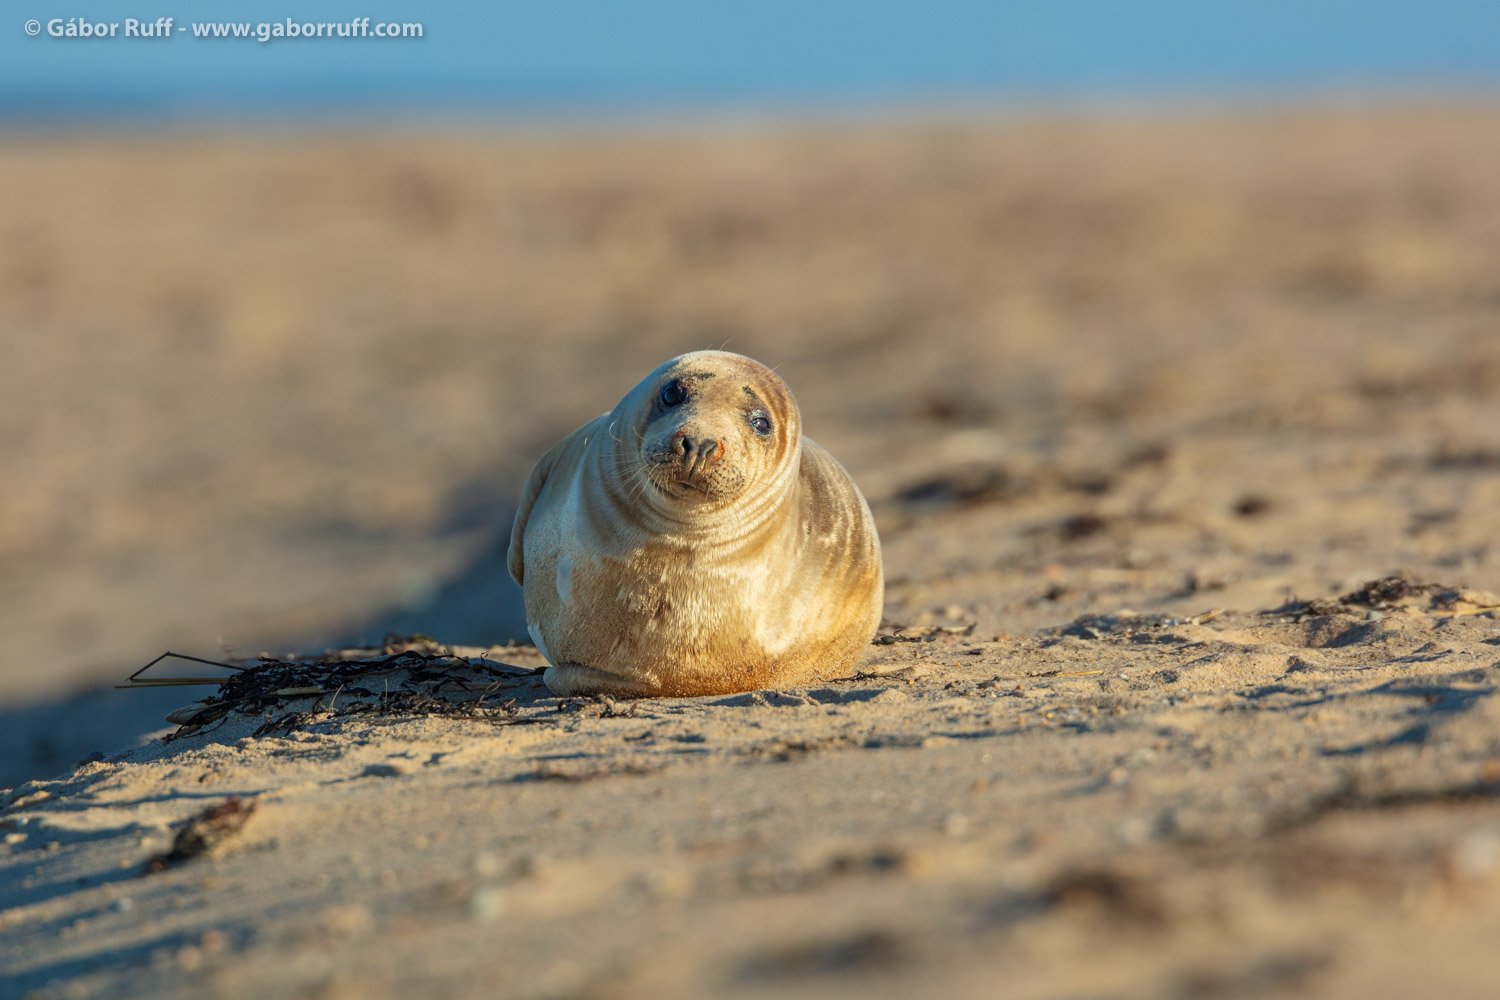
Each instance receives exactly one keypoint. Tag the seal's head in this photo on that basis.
(710, 428)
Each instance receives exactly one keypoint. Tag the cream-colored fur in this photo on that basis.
(645, 573)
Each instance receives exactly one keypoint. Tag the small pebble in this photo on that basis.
(672, 884)
(487, 904)
(1133, 830)
(348, 921)
(1477, 853)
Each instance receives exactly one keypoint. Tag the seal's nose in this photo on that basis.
(696, 453)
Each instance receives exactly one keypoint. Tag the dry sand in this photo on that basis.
(1144, 402)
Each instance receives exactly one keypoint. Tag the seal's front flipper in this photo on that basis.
(515, 556)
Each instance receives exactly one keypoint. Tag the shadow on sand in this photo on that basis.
(479, 606)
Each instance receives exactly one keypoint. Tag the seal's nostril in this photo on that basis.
(697, 453)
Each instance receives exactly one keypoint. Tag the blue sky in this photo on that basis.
(591, 55)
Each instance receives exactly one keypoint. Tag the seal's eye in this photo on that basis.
(674, 394)
(761, 423)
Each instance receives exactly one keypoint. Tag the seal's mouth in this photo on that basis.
(691, 481)
(677, 478)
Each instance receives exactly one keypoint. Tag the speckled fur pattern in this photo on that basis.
(751, 563)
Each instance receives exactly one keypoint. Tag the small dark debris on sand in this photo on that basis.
(203, 833)
(1251, 505)
(1083, 525)
(968, 486)
(865, 951)
(1099, 626)
(552, 772)
(1114, 894)
(1390, 594)
(975, 484)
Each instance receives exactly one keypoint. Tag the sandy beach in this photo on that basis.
(1181, 432)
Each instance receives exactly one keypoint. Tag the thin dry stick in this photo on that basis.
(136, 680)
